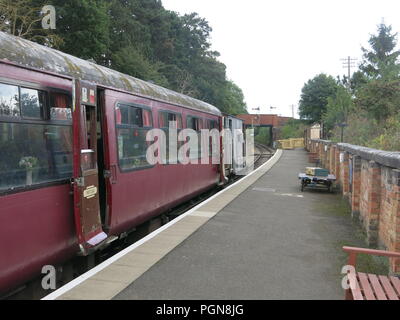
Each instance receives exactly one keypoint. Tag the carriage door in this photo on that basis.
(85, 183)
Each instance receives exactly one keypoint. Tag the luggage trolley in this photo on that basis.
(317, 178)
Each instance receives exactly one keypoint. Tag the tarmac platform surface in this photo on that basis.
(261, 238)
(268, 243)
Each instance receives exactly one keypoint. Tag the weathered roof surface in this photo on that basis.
(33, 55)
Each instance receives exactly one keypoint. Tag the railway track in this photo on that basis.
(79, 265)
(261, 154)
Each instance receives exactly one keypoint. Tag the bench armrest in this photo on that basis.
(352, 251)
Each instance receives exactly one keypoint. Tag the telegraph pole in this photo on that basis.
(349, 63)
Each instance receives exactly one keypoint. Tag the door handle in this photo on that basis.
(111, 174)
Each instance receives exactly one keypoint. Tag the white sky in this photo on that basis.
(271, 48)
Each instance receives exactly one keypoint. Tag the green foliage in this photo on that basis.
(358, 80)
(142, 39)
(338, 108)
(361, 129)
(135, 64)
(262, 135)
(380, 62)
(367, 131)
(314, 97)
(83, 25)
(232, 100)
(389, 137)
(371, 105)
(294, 128)
(380, 98)
(22, 18)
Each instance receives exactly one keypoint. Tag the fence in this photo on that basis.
(288, 144)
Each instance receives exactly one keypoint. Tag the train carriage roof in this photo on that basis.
(32, 55)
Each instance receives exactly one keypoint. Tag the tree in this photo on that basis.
(378, 90)
(139, 38)
(314, 97)
(338, 109)
(83, 25)
(233, 99)
(380, 98)
(294, 128)
(23, 18)
(130, 61)
(381, 60)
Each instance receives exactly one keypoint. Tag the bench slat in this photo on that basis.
(387, 286)
(396, 284)
(367, 290)
(380, 294)
(356, 292)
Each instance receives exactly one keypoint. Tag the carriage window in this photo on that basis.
(34, 154)
(212, 144)
(165, 119)
(133, 123)
(32, 103)
(196, 124)
(9, 100)
(211, 124)
(60, 107)
(129, 115)
(169, 120)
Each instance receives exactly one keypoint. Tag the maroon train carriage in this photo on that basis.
(73, 171)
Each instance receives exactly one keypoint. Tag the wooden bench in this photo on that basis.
(371, 286)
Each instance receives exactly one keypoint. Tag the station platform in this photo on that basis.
(260, 238)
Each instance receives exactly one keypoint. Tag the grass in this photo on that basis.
(354, 236)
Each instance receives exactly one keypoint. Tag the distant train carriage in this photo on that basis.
(235, 150)
(73, 168)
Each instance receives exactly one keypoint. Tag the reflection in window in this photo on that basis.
(132, 126)
(32, 102)
(9, 102)
(33, 154)
(132, 147)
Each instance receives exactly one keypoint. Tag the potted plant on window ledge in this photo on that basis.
(28, 163)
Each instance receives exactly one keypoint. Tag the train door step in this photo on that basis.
(97, 239)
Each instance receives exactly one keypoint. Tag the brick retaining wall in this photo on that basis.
(370, 180)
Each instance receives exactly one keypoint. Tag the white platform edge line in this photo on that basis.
(72, 284)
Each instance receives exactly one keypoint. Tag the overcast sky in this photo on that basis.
(271, 48)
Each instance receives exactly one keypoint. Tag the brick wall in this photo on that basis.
(370, 180)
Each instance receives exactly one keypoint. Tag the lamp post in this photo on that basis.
(342, 125)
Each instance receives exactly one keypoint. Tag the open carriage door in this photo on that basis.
(85, 183)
